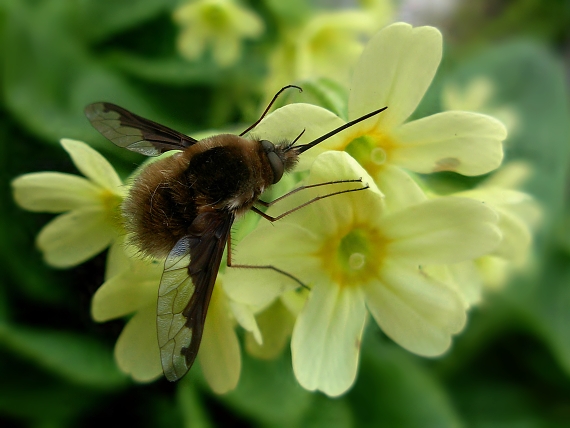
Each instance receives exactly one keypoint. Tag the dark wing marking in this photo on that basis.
(128, 130)
(185, 289)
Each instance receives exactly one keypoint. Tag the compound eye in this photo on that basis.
(276, 166)
(268, 146)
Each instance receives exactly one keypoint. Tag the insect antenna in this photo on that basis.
(269, 106)
(304, 147)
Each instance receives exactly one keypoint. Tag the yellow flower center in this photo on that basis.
(352, 258)
(372, 151)
(111, 203)
(215, 15)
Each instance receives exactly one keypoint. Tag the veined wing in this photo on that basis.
(128, 130)
(185, 289)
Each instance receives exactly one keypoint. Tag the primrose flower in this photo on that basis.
(132, 288)
(395, 70)
(518, 213)
(477, 96)
(91, 206)
(357, 258)
(326, 45)
(221, 24)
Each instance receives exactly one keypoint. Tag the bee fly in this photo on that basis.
(181, 208)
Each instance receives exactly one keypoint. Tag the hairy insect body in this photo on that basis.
(172, 197)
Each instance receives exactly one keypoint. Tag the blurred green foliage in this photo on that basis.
(511, 367)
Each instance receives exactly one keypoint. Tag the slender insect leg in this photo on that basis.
(298, 189)
(282, 272)
(315, 199)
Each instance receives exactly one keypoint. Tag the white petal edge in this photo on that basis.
(136, 351)
(245, 317)
(54, 192)
(93, 165)
(417, 312)
(219, 354)
(74, 237)
(463, 142)
(326, 339)
(286, 123)
(123, 294)
(276, 325)
(395, 70)
(440, 231)
(399, 188)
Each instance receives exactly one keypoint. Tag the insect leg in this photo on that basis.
(315, 199)
(282, 272)
(292, 192)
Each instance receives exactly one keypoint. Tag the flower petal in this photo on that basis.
(219, 353)
(467, 143)
(416, 311)
(287, 247)
(326, 339)
(117, 259)
(54, 192)
(123, 294)
(399, 188)
(462, 277)
(136, 351)
(395, 70)
(93, 165)
(516, 238)
(443, 230)
(245, 317)
(276, 325)
(286, 123)
(74, 237)
(339, 210)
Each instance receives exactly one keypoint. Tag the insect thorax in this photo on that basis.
(216, 174)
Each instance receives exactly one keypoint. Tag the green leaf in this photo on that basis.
(49, 76)
(77, 358)
(393, 390)
(328, 413)
(99, 19)
(41, 401)
(172, 70)
(323, 92)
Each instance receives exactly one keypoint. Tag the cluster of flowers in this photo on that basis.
(397, 251)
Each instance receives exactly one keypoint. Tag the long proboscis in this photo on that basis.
(304, 147)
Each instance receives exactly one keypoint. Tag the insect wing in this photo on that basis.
(184, 294)
(128, 130)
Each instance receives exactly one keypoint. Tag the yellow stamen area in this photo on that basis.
(353, 257)
(215, 15)
(111, 203)
(372, 151)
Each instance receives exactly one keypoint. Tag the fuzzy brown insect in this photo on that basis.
(182, 207)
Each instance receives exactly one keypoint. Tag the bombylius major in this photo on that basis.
(181, 208)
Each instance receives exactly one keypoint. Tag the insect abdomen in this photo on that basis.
(160, 206)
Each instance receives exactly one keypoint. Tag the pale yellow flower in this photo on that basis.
(359, 258)
(518, 213)
(325, 45)
(218, 24)
(477, 95)
(90, 204)
(132, 288)
(395, 70)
